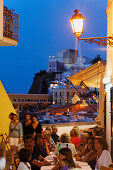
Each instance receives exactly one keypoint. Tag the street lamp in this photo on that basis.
(77, 23)
(107, 41)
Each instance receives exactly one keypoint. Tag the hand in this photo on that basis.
(77, 158)
(47, 162)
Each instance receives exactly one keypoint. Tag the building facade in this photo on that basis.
(22, 100)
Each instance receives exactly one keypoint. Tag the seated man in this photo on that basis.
(54, 135)
(37, 160)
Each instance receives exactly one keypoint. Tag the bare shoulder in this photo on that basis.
(62, 163)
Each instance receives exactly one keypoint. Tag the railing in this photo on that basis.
(10, 24)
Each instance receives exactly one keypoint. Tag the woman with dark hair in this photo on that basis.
(103, 155)
(65, 160)
(24, 156)
(41, 146)
(27, 127)
(36, 126)
(90, 155)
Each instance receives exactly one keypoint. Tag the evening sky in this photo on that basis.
(44, 29)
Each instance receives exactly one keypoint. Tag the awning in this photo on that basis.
(90, 76)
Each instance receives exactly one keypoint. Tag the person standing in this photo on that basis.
(36, 126)
(27, 127)
(15, 136)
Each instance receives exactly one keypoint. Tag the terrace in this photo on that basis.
(9, 26)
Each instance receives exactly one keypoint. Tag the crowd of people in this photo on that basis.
(86, 146)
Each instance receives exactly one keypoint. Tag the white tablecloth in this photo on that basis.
(83, 165)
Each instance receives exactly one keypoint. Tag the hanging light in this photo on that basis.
(77, 23)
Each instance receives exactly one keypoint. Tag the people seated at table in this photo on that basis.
(37, 160)
(54, 135)
(65, 160)
(27, 127)
(48, 128)
(24, 157)
(98, 131)
(41, 146)
(47, 138)
(90, 154)
(83, 145)
(103, 155)
(75, 136)
(65, 142)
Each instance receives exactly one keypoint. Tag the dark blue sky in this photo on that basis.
(44, 29)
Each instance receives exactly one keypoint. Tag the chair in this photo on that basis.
(105, 168)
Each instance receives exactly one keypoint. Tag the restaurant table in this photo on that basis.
(83, 165)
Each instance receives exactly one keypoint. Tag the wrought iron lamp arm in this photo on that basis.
(99, 40)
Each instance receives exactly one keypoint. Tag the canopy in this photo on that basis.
(6, 108)
(90, 76)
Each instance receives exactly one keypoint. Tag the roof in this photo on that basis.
(90, 76)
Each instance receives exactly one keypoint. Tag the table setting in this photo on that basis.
(50, 158)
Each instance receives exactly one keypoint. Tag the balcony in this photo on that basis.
(9, 27)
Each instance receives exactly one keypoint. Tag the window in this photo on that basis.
(56, 94)
(60, 101)
(18, 100)
(22, 100)
(67, 93)
(14, 100)
(55, 101)
(60, 94)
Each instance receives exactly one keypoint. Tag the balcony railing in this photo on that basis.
(10, 24)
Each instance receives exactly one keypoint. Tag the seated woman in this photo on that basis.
(65, 160)
(24, 156)
(75, 136)
(103, 155)
(65, 142)
(90, 154)
(82, 150)
(47, 138)
(41, 146)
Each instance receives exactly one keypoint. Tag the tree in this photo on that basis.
(96, 59)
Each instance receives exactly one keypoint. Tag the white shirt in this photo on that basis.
(22, 166)
(2, 163)
(68, 145)
(103, 160)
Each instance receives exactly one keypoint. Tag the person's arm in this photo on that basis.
(20, 131)
(90, 156)
(82, 153)
(56, 149)
(58, 165)
(39, 163)
(46, 147)
(10, 129)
